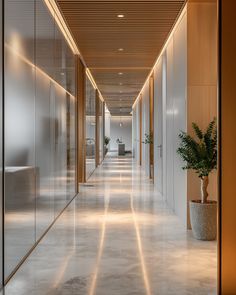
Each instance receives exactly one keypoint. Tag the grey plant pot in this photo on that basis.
(203, 219)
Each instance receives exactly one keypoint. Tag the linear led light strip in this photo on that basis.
(56, 13)
(53, 8)
(163, 49)
(28, 62)
(89, 75)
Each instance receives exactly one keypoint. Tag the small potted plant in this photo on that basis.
(106, 141)
(200, 154)
(148, 138)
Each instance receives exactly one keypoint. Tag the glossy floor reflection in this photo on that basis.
(118, 238)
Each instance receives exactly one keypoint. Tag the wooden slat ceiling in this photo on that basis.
(100, 34)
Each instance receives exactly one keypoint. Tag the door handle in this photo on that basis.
(160, 150)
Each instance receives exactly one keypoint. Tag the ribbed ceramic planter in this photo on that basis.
(203, 219)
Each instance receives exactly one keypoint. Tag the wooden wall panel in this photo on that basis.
(97, 136)
(81, 121)
(103, 130)
(227, 144)
(141, 131)
(201, 79)
(151, 117)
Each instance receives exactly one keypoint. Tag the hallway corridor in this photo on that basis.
(117, 237)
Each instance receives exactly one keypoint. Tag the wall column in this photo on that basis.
(201, 79)
(151, 118)
(141, 131)
(97, 135)
(81, 121)
(227, 144)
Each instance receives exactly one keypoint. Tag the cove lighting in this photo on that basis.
(56, 14)
(34, 67)
(89, 75)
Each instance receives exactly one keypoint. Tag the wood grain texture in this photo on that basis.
(99, 34)
(151, 124)
(141, 130)
(80, 94)
(97, 134)
(202, 98)
(227, 144)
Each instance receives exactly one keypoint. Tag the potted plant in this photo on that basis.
(148, 138)
(106, 141)
(200, 154)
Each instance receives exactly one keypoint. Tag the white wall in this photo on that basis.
(169, 126)
(175, 186)
(145, 129)
(179, 115)
(136, 132)
(159, 145)
(124, 132)
(170, 92)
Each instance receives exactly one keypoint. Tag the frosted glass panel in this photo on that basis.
(20, 172)
(60, 149)
(44, 200)
(40, 116)
(71, 146)
(43, 138)
(64, 63)
(90, 128)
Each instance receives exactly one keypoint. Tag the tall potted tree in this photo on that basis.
(200, 154)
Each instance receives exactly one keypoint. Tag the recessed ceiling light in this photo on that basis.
(121, 83)
(120, 73)
(121, 49)
(120, 15)
(62, 73)
(120, 91)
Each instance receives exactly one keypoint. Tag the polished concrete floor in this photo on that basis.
(118, 238)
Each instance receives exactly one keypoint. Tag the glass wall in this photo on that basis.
(40, 126)
(90, 127)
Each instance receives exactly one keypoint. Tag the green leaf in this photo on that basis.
(199, 154)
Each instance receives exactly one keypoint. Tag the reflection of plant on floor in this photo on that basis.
(148, 138)
(200, 154)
